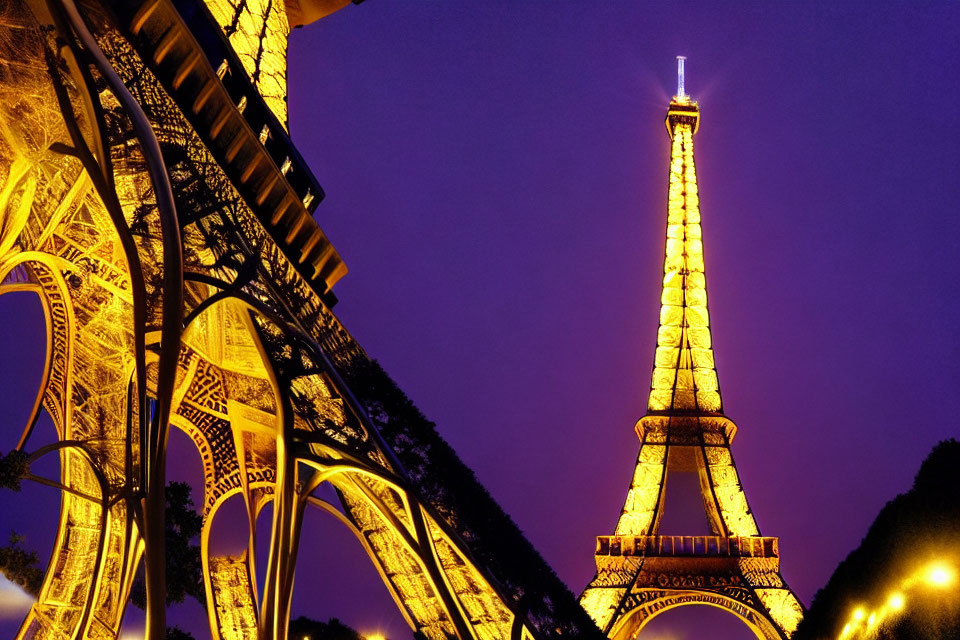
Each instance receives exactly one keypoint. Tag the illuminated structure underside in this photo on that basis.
(641, 573)
(149, 196)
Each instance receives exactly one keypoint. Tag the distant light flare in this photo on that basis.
(896, 601)
(936, 575)
(940, 575)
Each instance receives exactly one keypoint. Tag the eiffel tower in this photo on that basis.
(639, 572)
(152, 200)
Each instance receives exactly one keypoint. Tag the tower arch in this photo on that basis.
(636, 619)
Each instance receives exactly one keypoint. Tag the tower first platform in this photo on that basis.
(641, 573)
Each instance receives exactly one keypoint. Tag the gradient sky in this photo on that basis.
(496, 179)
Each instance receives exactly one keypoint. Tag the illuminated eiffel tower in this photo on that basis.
(641, 573)
(152, 200)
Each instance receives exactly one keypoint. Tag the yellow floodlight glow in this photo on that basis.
(940, 575)
(896, 601)
(375, 636)
(859, 614)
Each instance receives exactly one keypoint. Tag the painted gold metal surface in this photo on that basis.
(164, 222)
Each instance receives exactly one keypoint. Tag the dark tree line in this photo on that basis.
(304, 628)
(913, 529)
(184, 566)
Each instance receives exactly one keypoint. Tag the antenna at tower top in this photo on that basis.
(680, 90)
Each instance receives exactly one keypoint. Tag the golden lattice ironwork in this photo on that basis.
(641, 573)
(151, 199)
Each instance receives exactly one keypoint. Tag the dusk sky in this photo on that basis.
(496, 179)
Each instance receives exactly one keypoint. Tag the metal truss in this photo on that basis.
(150, 198)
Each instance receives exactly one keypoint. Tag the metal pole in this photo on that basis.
(681, 93)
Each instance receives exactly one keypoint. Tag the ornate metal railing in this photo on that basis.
(706, 546)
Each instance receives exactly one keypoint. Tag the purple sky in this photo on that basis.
(496, 179)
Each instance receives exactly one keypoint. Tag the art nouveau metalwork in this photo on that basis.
(152, 200)
(641, 573)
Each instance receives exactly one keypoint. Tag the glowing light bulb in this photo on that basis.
(896, 601)
(859, 614)
(940, 575)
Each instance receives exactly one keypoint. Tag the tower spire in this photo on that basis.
(684, 376)
(680, 89)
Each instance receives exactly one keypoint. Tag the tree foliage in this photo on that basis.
(306, 629)
(911, 530)
(176, 633)
(20, 566)
(13, 466)
(184, 567)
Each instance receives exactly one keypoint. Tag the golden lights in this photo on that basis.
(684, 374)
(940, 575)
(258, 30)
(864, 624)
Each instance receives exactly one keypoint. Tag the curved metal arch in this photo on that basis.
(205, 533)
(628, 627)
(37, 407)
(248, 305)
(51, 263)
(325, 506)
(328, 469)
(245, 275)
(92, 588)
(81, 447)
(210, 513)
(329, 475)
(419, 555)
(294, 329)
(287, 526)
(419, 542)
(418, 516)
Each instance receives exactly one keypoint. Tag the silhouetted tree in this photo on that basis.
(20, 566)
(184, 566)
(306, 629)
(176, 633)
(12, 468)
(913, 528)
